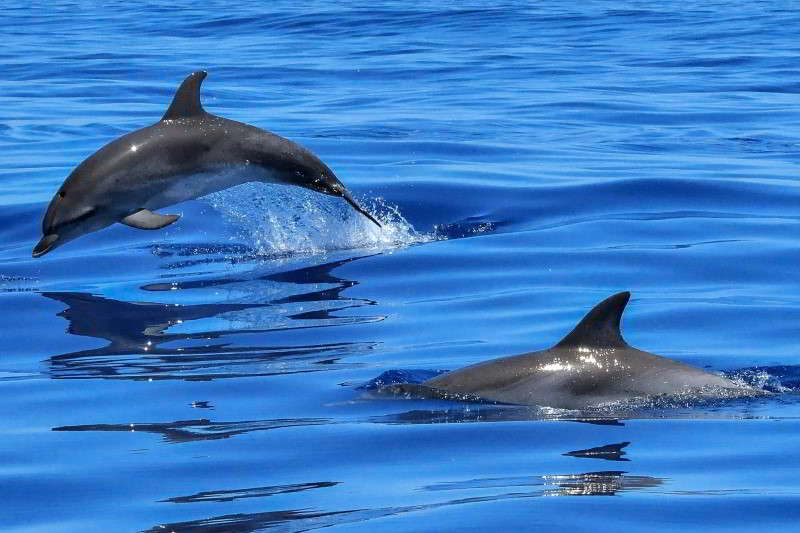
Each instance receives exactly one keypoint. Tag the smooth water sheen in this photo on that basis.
(526, 162)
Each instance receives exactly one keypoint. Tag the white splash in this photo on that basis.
(285, 220)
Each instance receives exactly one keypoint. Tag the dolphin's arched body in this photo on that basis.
(591, 366)
(185, 155)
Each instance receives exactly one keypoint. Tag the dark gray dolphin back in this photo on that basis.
(186, 102)
(600, 327)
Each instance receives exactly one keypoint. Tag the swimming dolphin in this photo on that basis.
(593, 365)
(187, 154)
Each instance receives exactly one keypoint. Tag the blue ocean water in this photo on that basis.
(527, 160)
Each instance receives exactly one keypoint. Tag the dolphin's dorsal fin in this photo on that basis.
(600, 327)
(186, 102)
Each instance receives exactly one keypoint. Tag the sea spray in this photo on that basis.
(278, 220)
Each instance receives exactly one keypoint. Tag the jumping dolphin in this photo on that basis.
(593, 365)
(187, 154)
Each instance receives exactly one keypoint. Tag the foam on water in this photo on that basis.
(278, 220)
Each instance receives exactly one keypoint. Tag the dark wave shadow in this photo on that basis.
(322, 273)
(650, 216)
(140, 344)
(491, 413)
(254, 492)
(606, 483)
(200, 429)
(205, 429)
(290, 520)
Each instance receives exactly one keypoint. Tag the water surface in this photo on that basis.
(527, 162)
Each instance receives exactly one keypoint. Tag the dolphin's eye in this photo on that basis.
(61, 194)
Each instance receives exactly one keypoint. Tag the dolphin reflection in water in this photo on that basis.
(157, 340)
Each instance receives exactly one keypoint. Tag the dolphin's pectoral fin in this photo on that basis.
(146, 219)
(600, 327)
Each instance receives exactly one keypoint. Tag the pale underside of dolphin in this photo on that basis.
(187, 154)
(591, 366)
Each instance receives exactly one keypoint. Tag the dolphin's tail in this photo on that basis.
(349, 198)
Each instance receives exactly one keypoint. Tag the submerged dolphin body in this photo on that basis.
(187, 154)
(593, 365)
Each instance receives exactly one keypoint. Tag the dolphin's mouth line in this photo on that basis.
(45, 245)
(349, 199)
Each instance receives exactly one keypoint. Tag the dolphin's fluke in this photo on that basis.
(600, 327)
(349, 198)
(186, 102)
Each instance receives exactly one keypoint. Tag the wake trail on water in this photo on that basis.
(283, 220)
(776, 379)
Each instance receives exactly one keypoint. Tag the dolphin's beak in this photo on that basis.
(45, 245)
(346, 195)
